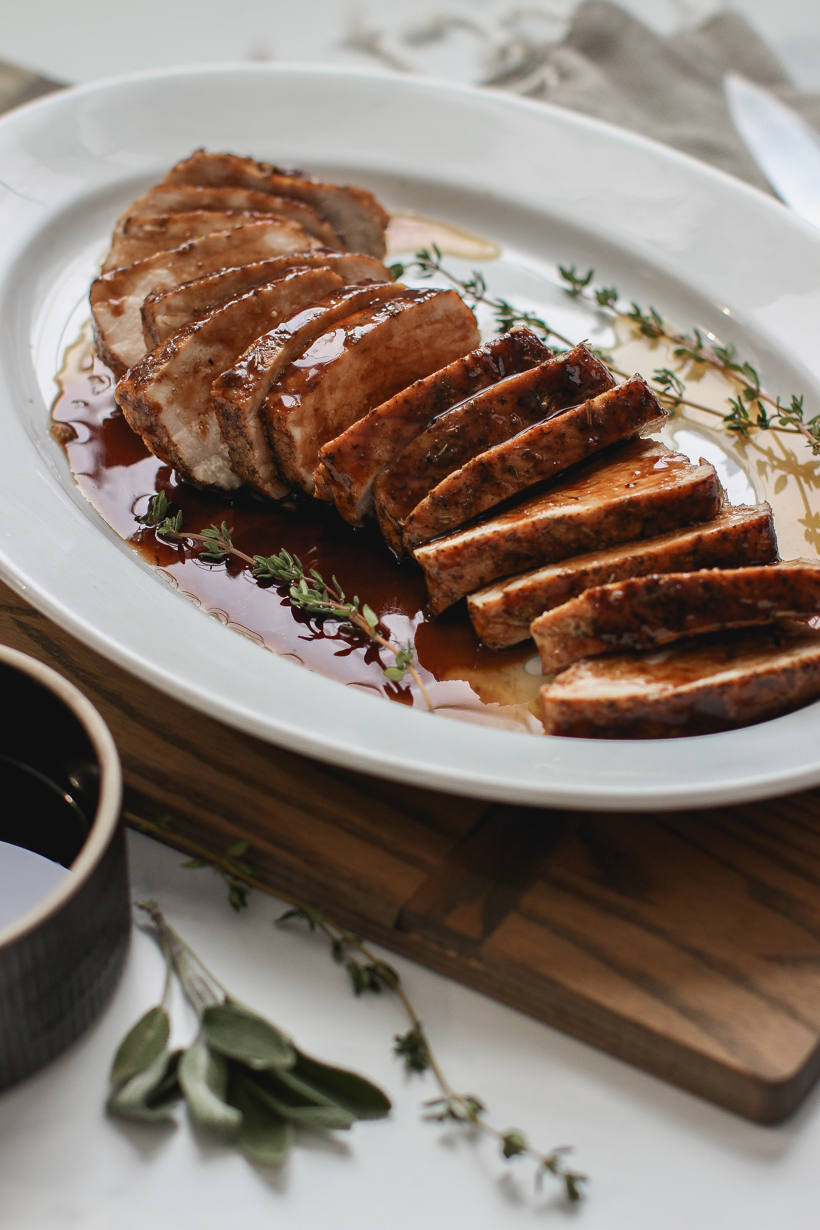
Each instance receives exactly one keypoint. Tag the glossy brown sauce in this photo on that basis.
(118, 475)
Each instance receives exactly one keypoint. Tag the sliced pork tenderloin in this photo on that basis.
(144, 237)
(502, 613)
(240, 392)
(650, 611)
(183, 198)
(359, 363)
(532, 456)
(714, 683)
(117, 297)
(165, 311)
(166, 398)
(354, 214)
(349, 464)
(478, 423)
(638, 489)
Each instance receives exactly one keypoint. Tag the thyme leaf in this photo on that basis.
(306, 590)
(369, 973)
(751, 407)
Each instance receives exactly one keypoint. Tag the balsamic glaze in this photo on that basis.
(118, 475)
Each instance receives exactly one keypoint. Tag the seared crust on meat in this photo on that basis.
(349, 464)
(639, 489)
(645, 612)
(533, 455)
(478, 423)
(166, 398)
(354, 214)
(117, 297)
(240, 392)
(366, 359)
(715, 683)
(502, 613)
(142, 237)
(165, 311)
(182, 198)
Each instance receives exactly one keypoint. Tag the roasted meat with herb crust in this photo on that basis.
(714, 683)
(239, 393)
(349, 464)
(647, 612)
(358, 364)
(502, 613)
(183, 198)
(641, 488)
(167, 310)
(354, 214)
(143, 237)
(117, 297)
(477, 424)
(166, 398)
(533, 455)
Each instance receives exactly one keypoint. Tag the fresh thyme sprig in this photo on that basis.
(428, 263)
(752, 407)
(368, 972)
(307, 591)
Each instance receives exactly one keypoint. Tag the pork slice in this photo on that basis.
(166, 398)
(646, 612)
(142, 237)
(349, 464)
(531, 456)
(358, 364)
(117, 297)
(479, 423)
(165, 311)
(182, 198)
(641, 488)
(502, 613)
(240, 392)
(354, 214)
(714, 683)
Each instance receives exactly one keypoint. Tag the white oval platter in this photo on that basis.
(543, 183)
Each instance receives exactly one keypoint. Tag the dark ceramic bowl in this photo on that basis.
(59, 961)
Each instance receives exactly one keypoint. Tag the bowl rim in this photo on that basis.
(107, 816)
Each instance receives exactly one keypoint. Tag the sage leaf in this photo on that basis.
(350, 1091)
(149, 1095)
(300, 1106)
(203, 1076)
(141, 1045)
(232, 1031)
(264, 1137)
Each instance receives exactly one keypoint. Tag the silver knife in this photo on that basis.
(782, 143)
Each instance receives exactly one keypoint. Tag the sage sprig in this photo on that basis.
(751, 406)
(306, 591)
(242, 1078)
(368, 972)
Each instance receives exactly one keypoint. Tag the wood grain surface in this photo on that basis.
(686, 943)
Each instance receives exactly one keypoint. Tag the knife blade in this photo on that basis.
(782, 143)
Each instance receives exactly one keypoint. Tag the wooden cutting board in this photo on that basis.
(686, 943)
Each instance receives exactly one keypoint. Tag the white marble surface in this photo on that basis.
(659, 1159)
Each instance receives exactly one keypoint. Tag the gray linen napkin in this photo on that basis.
(18, 85)
(612, 66)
